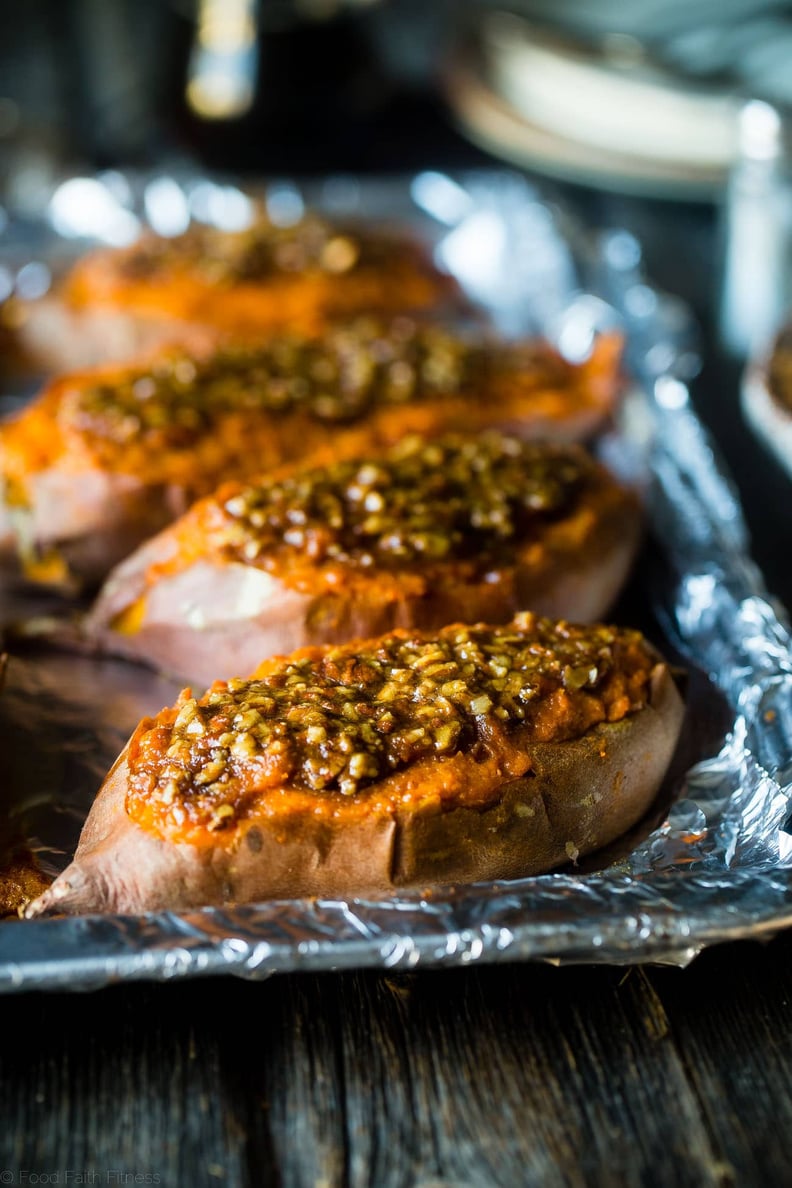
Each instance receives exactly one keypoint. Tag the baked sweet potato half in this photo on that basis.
(767, 397)
(21, 878)
(428, 533)
(104, 458)
(117, 302)
(470, 754)
(779, 369)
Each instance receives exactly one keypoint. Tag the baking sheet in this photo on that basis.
(713, 863)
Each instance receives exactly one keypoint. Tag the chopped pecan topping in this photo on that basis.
(337, 378)
(264, 250)
(339, 719)
(423, 501)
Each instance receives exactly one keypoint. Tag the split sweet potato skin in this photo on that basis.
(21, 879)
(575, 797)
(108, 309)
(183, 607)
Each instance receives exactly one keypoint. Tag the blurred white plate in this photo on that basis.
(606, 119)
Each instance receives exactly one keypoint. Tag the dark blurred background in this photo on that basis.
(667, 118)
(308, 85)
(339, 84)
(623, 97)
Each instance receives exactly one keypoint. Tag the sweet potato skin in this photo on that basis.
(85, 523)
(53, 335)
(100, 314)
(214, 618)
(575, 798)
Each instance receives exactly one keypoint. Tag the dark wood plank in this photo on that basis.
(523, 1075)
(730, 1014)
(288, 1079)
(567, 1071)
(125, 1080)
(492, 1076)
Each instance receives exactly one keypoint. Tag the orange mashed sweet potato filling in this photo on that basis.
(104, 420)
(411, 720)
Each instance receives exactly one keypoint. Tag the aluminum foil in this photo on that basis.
(714, 866)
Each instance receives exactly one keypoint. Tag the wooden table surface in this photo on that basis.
(497, 1076)
(485, 1076)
